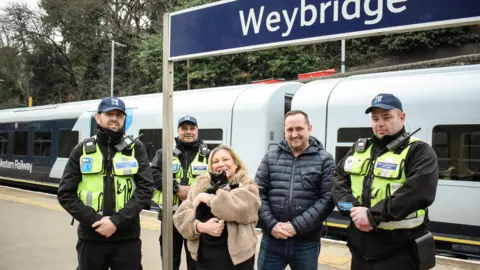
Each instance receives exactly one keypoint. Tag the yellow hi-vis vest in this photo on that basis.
(90, 190)
(388, 176)
(196, 168)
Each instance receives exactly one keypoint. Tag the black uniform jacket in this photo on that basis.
(418, 192)
(296, 189)
(188, 153)
(127, 219)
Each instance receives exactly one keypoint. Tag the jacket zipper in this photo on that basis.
(109, 189)
(292, 180)
(185, 170)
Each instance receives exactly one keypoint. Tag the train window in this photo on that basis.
(20, 143)
(67, 141)
(212, 146)
(288, 103)
(214, 134)
(42, 144)
(3, 143)
(353, 134)
(458, 151)
(152, 139)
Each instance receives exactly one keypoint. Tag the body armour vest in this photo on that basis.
(90, 190)
(388, 174)
(196, 168)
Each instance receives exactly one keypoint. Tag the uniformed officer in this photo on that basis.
(390, 179)
(105, 185)
(189, 161)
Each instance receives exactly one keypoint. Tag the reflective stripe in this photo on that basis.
(90, 199)
(402, 224)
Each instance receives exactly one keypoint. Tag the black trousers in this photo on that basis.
(122, 255)
(403, 260)
(178, 242)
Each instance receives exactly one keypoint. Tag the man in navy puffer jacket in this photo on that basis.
(295, 182)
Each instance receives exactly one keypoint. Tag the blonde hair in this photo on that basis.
(241, 167)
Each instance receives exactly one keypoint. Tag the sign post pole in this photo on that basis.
(167, 173)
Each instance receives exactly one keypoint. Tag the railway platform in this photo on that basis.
(36, 234)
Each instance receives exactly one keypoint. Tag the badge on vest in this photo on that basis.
(87, 164)
(125, 165)
(199, 167)
(175, 167)
(386, 168)
(349, 163)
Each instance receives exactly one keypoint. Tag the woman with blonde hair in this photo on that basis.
(229, 239)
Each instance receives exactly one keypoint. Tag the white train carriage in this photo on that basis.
(443, 102)
(247, 117)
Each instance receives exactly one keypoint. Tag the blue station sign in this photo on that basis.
(246, 25)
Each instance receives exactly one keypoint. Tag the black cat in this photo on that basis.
(218, 180)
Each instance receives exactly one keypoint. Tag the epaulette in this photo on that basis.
(203, 152)
(362, 144)
(90, 145)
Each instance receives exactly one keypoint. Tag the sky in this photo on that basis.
(32, 3)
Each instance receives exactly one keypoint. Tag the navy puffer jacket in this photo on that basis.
(296, 189)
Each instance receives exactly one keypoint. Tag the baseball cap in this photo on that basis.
(111, 103)
(386, 102)
(187, 118)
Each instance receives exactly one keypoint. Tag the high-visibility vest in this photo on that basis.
(196, 168)
(388, 176)
(90, 190)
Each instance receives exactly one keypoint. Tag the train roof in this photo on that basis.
(221, 99)
(411, 86)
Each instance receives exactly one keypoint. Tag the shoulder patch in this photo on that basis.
(361, 145)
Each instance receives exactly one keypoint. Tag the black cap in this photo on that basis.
(189, 119)
(386, 102)
(111, 103)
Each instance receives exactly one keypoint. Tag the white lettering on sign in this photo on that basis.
(309, 14)
(17, 164)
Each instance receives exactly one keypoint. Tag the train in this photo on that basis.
(35, 142)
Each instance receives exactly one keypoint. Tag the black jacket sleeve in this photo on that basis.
(143, 189)
(157, 171)
(67, 191)
(313, 217)
(419, 190)
(266, 218)
(342, 189)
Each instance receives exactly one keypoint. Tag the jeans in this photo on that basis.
(276, 254)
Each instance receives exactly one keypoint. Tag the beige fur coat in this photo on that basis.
(238, 208)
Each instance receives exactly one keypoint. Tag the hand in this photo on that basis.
(182, 192)
(213, 227)
(105, 227)
(360, 218)
(279, 233)
(202, 197)
(288, 227)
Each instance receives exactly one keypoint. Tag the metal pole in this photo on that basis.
(111, 75)
(343, 56)
(167, 172)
